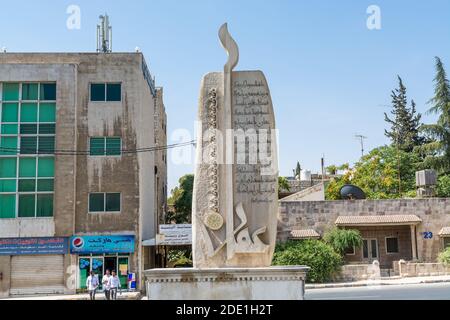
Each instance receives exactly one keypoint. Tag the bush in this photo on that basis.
(319, 256)
(179, 258)
(443, 187)
(343, 239)
(444, 257)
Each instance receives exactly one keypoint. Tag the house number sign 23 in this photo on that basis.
(427, 235)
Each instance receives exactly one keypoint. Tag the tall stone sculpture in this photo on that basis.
(235, 200)
(236, 191)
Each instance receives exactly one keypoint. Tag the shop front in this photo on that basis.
(35, 265)
(101, 253)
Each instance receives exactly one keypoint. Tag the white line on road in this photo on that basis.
(347, 298)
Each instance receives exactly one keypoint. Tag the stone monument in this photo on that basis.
(235, 200)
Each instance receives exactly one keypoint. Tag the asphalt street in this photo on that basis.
(436, 291)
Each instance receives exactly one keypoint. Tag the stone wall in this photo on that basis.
(321, 215)
(358, 272)
(410, 269)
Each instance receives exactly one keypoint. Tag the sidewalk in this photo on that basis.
(382, 282)
(99, 296)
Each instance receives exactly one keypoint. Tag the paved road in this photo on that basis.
(437, 291)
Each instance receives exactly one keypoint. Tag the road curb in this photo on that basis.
(372, 284)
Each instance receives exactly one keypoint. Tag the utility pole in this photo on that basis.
(361, 138)
(323, 168)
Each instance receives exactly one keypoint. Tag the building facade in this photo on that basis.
(393, 230)
(80, 180)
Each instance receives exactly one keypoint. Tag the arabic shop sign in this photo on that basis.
(174, 235)
(101, 244)
(33, 246)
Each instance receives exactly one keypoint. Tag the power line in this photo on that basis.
(62, 152)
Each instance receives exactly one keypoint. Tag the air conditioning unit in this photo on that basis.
(426, 178)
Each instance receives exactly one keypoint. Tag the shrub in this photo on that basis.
(343, 239)
(444, 257)
(179, 258)
(443, 187)
(317, 255)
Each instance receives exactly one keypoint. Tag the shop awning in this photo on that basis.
(445, 232)
(304, 234)
(149, 243)
(392, 220)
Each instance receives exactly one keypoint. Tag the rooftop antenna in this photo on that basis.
(361, 138)
(104, 35)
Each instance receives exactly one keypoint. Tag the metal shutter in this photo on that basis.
(37, 275)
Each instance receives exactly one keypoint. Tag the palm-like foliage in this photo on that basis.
(343, 239)
(283, 184)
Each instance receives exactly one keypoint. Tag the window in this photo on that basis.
(30, 91)
(392, 245)
(446, 243)
(27, 145)
(7, 206)
(10, 92)
(350, 251)
(113, 92)
(10, 112)
(104, 202)
(101, 92)
(48, 92)
(98, 92)
(105, 146)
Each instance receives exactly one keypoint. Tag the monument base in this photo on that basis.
(275, 283)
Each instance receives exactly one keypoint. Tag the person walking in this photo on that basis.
(92, 285)
(114, 284)
(106, 287)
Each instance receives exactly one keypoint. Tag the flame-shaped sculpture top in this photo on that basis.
(230, 46)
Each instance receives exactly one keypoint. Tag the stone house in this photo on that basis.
(393, 230)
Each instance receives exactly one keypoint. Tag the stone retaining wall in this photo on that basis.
(358, 272)
(410, 269)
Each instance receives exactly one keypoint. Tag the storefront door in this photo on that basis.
(111, 264)
(99, 265)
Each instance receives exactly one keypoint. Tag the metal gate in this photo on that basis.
(37, 275)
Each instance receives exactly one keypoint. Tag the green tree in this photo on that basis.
(297, 171)
(437, 150)
(443, 186)
(378, 175)
(405, 124)
(342, 239)
(181, 199)
(444, 257)
(332, 170)
(320, 257)
(283, 184)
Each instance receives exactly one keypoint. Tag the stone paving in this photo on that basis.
(99, 296)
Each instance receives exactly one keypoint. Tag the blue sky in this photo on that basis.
(330, 76)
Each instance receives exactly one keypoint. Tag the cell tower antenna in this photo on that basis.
(104, 35)
(361, 139)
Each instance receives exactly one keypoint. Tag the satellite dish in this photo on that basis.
(351, 192)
